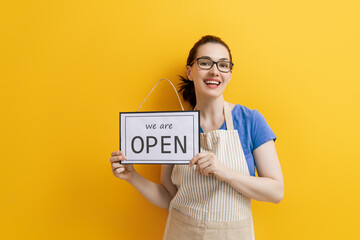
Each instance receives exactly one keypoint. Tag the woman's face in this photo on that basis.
(209, 83)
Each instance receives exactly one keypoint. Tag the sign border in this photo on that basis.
(154, 162)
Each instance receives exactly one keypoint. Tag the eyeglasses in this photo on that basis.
(207, 64)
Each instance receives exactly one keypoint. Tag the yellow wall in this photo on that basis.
(68, 67)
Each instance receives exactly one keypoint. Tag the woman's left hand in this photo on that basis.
(208, 164)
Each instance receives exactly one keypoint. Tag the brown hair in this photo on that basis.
(187, 88)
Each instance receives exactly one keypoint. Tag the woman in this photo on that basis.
(210, 198)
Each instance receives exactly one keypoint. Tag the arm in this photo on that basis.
(268, 187)
(158, 194)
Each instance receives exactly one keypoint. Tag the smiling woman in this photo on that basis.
(206, 63)
(211, 197)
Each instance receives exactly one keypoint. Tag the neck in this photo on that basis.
(211, 110)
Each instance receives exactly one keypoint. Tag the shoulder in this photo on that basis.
(245, 113)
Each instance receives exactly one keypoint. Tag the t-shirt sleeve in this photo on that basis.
(261, 131)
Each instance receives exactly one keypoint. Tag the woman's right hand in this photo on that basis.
(122, 171)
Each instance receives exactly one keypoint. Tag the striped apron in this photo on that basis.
(204, 207)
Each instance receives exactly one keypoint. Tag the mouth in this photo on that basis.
(212, 83)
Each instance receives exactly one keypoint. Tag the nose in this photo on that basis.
(214, 70)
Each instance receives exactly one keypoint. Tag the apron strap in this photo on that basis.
(228, 116)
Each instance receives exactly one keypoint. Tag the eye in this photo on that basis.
(224, 65)
(204, 63)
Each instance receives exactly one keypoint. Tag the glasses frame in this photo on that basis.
(213, 62)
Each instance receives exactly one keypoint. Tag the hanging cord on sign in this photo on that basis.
(155, 87)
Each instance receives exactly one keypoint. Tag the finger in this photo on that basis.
(208, 170)
(117, 158)
(196, 158)
(200, 162)
(203, 166)
(204, 159)
(119, 170)
(197, 169)
(116, 165)
(117, 153)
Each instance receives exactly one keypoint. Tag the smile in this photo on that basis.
(212, 82)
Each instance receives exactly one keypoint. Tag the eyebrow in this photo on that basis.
(207, 57)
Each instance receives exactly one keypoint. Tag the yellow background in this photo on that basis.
(67, 68)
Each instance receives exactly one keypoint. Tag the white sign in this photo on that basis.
(159, 137)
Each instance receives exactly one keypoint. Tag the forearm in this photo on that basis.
(259, 188)
(153, 192)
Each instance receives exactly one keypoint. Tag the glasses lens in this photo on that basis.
(224, 66)
(204, 63)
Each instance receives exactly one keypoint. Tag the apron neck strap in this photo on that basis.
(228, 116)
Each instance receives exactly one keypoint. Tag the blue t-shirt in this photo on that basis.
(253, 131)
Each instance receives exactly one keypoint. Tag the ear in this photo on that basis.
(230, 76)
(188, 72)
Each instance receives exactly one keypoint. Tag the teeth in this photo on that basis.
(212, 82)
